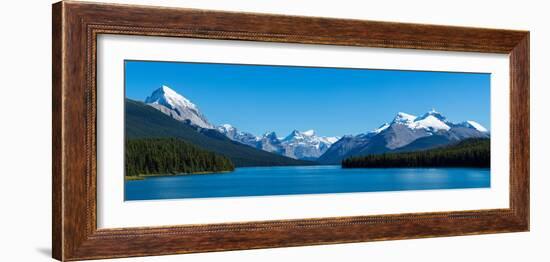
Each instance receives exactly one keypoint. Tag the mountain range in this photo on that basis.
(299, 145)
(404, 133)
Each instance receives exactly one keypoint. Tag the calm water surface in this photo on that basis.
(263, 181)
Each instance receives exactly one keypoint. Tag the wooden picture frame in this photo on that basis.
(76, 26)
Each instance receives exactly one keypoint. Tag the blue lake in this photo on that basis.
(290, 180)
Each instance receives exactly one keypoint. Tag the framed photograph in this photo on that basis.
(182, 130)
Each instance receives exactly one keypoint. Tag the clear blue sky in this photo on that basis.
(332, 101)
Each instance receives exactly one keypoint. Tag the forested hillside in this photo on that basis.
(171, 156)
(467, 153)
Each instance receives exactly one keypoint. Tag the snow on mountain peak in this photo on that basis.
(477, 126)
(432, 113)
(433, 122)
(310, 132)
(381, 128)
(430, 121)
(309, 136)
(227, 126)
(330, 139)
(294, 135)
(270, 134)
(227, 129)
(166, 89)
(177, 106)
(168, 97)
(403, 118)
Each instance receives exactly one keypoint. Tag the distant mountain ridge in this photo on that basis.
(298, 145)
(405, 133)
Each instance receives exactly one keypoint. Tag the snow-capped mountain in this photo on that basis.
(405, 133)
(236, 135)
(431, 121)
(306, 145)
(298, 145)
(271, 143)
(177, 106)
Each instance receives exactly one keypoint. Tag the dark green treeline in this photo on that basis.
(468, 153)
(171, 156)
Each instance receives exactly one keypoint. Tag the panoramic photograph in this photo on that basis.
(210, 130)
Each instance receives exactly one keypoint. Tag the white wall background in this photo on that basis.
(25, 147)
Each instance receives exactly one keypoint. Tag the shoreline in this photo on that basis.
(418, 167)
(144, 176)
